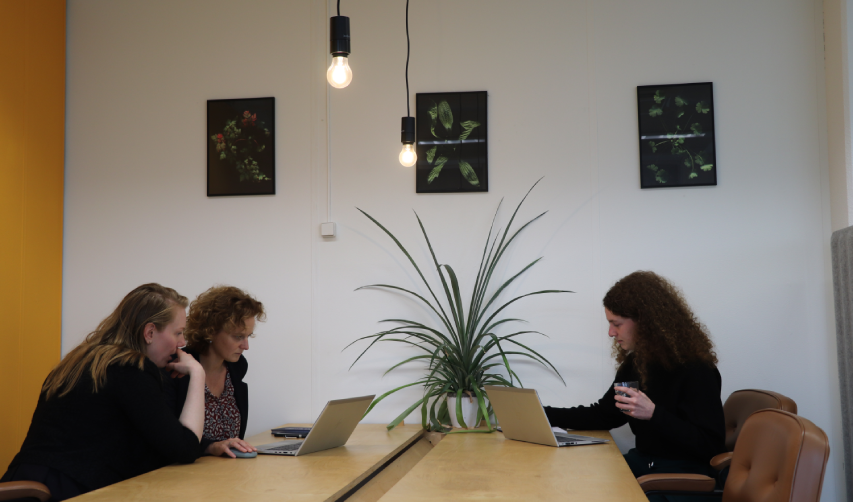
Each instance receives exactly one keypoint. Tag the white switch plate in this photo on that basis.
(327, 229)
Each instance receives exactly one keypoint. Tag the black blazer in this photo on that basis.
(176, 394)
(122, 431)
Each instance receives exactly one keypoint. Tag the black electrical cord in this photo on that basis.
(339, 7)
(408, 46)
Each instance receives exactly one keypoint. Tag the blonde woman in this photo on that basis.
(102, 416)
(220, 323)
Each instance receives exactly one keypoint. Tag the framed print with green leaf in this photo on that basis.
(676, 124)
(241, 146)
(451, 145)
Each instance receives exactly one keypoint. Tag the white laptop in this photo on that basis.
(332, 429)
(522, 418)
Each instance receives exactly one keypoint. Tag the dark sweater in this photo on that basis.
(176, 395)
(687, 422)
(122, 431)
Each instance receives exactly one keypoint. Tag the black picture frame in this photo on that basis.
(240, 147)
(451, 126)
(677, 136)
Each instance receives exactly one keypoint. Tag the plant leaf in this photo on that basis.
(415, 265)
(467, 127)
(707, 167)
(402, 416)
(482, 403)
(437, 169)
(445, 115)
(383, 396)
(431, 154)
(457, 299)
(459, 417)
(655, 111)
(468, 173)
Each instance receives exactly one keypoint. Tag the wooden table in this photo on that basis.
(401, 465)
(490, 467)
(321, 476)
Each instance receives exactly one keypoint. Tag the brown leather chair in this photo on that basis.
(738, 407)
(24, 491)
(779, 457)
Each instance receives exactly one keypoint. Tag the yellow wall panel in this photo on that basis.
(32, 132)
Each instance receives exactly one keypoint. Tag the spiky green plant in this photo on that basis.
(463, 354)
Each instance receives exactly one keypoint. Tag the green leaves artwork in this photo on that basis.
(677, 143)
(240, 158)
(451, 143)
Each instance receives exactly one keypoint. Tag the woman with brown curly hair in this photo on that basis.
(219, 325)
(676, 414)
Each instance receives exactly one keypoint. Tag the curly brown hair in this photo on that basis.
(219, 308)
(668, 333)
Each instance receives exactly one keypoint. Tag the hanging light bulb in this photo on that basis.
(408, 157)
(339, 74)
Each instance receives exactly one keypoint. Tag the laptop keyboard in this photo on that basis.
(287, 447)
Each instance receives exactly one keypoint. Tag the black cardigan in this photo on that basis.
(122, 431)
(176, 395)
(687, 422)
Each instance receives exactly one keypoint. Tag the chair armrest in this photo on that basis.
(12, 490)
(721, 461)
(676, 482)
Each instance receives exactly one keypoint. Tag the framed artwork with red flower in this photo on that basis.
(241, 147)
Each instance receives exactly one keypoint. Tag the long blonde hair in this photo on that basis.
(117, 340)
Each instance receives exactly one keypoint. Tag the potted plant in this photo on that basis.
(462, 354)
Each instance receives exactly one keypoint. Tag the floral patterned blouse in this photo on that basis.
(221, 415)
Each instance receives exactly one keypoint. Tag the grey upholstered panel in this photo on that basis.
(842, 280)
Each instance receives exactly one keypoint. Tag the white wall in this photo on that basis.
(751, 253)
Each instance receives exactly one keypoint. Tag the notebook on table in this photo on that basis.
(522, 418)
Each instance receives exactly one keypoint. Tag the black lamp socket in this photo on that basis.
(407, 131)
(339, 36)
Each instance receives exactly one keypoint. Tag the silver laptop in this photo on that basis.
(332, 429)
(522, 418)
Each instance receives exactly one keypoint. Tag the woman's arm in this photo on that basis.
(602, 415)
(192, 415)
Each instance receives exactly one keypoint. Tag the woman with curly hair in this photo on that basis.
(676, 414)
(219, 325)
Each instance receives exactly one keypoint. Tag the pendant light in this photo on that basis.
(408, 157)
(339, 74)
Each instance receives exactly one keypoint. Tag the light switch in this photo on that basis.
(327, 229)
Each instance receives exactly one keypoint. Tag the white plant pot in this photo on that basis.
(469, 411)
